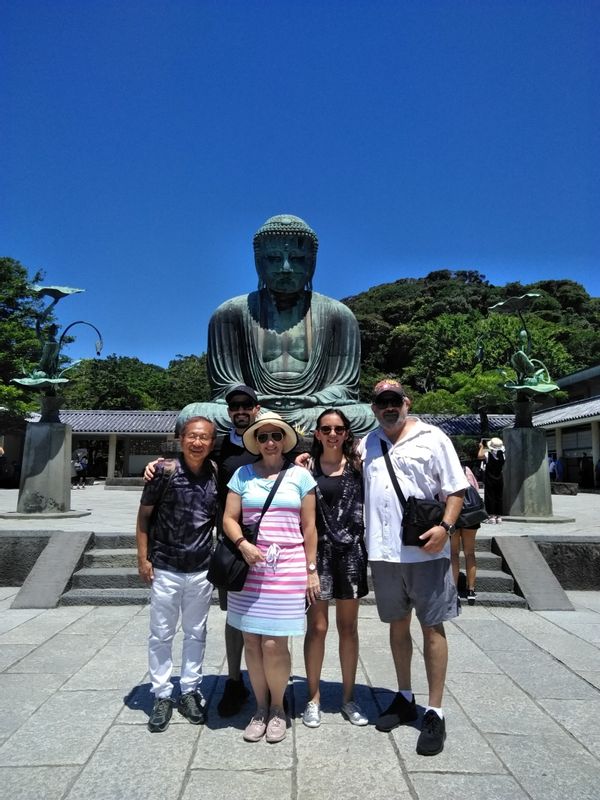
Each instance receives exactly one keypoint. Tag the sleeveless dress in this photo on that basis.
(341, 551)
(272, 601)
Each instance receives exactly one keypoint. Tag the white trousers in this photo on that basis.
(172, 591)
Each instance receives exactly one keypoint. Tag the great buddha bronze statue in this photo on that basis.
(299, 349)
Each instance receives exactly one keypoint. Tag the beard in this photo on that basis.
(241, 421)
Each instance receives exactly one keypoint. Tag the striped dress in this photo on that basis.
(273, 597)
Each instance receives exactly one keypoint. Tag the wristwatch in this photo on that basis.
(311, 567)
(448, 528)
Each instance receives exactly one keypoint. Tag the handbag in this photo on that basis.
(227, 568)
(418, 515)
(473, 511)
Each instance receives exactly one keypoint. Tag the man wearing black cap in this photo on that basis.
(424, 463)
(229, 454)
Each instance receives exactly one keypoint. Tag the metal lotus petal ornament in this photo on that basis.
(55, 292)
(514, 305)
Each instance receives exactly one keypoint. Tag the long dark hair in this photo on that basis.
(349, 446)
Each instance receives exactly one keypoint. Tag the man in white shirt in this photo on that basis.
(426, 465)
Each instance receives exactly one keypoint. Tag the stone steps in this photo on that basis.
(105, 597)
(109, 575)
(117, 557)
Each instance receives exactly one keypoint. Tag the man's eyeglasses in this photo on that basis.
(276, 436)
(384, 402)
(339, 429)
(201, 437)
(247, 405)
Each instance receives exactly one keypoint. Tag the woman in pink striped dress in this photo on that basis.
(282, 572)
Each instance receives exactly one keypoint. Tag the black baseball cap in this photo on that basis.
(242, 389)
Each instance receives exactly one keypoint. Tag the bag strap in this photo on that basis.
(271, 494)
(168, 472)
(388, 463)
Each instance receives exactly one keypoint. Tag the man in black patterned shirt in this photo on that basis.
(176, 517)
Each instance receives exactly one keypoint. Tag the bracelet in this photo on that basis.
(238, 542)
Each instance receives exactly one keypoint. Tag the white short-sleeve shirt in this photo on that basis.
(426, 466)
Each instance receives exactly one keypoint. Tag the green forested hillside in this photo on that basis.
(437, 335)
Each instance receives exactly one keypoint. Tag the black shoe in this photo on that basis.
(191, 706)
(161, 715)
(461, 584)
(471, 597)
(235, 695)
(432, 736)
(397, 713)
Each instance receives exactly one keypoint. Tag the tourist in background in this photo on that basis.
(491, 454)
(466, 538)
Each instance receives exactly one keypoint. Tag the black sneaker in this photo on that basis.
(235, 695)
(191, 706)
(161, 715)
(471, 597)
(461, 584)
(432, 736)
(399, 712)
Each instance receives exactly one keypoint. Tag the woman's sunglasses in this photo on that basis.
(339, 429)
(276, 436)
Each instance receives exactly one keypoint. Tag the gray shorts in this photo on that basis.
(426, 586)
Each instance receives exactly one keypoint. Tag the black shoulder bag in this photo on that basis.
(418, 515)
(227, 568)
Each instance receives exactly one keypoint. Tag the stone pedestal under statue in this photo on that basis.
(46, 472)
(525, 473)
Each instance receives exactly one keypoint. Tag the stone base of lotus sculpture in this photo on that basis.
(46, 472)
(526, 477)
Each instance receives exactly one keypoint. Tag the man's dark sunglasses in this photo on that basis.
(247, 405)
(384, 402)
(276, 436)
(339, 429)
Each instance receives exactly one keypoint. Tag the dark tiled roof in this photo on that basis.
(163, 422)
(587, 409)
(468, 424)
(141, 422)
(579, 377)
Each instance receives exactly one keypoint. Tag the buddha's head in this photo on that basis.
(285, 253)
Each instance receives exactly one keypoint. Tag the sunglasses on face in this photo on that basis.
(241, 406)
(276, 436)
(339, 429)
(384, 402)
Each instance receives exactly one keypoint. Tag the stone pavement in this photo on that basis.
(522, 704)
(115, 511)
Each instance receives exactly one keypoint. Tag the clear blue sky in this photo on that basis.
(144, 142)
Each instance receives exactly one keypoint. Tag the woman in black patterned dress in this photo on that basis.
(341, 561)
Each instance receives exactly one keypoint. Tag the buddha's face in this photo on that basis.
(285, 263)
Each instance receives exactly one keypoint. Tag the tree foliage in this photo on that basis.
(428, 332)
(121, 382)
(435, 333)
(19, 346)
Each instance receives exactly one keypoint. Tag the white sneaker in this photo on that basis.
(311, 716)
(354, 714)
